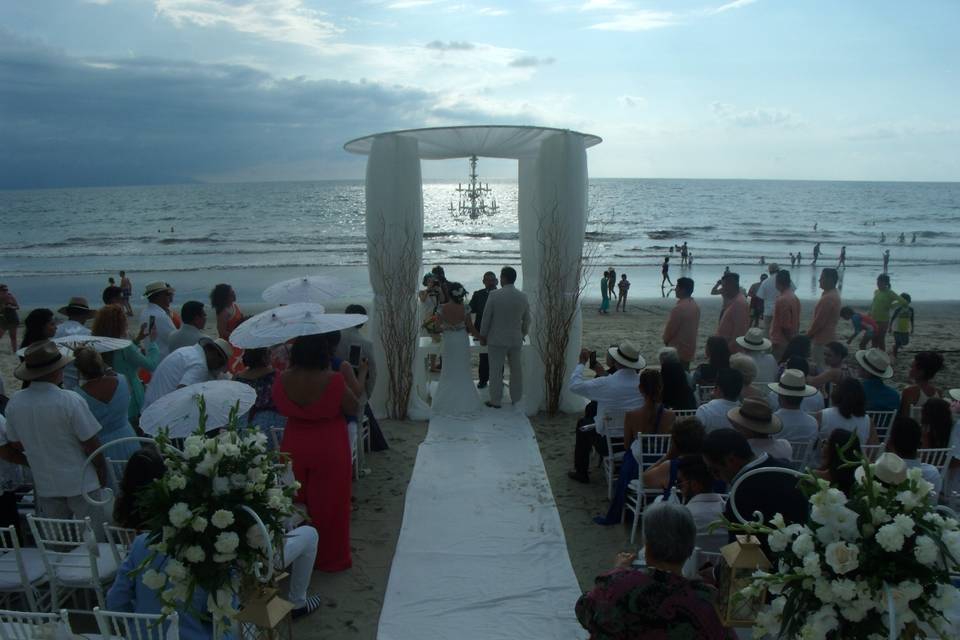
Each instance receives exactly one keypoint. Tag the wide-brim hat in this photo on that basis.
(888, 469)
(755, 415)
(224, 347)
(955, 394)
(875, 362)
(154, 288)
(627, 355)
(42, 358)
(76, 307)
(792, 383)
(754, 340)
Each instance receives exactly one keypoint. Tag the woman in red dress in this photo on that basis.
(314, 400)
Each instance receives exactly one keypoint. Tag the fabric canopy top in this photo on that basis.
(490, 141)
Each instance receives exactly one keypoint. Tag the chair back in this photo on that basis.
(802, 450)
(66, 546)
(680, 414)
(120, 539)
(13, 568)
(137, 626)
(23, 625)
(872, 451)
(653, 446)
(881, 421)
(704, 393)
(940, 458)
(611, 422)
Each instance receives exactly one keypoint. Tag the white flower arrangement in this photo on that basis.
(837, 575)
(198, 517)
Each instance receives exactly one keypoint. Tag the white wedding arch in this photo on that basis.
(552, 211)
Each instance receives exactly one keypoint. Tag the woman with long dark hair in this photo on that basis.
(38, 325)
(223, 299)
(677, 392)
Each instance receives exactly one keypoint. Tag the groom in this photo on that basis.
(506, 320)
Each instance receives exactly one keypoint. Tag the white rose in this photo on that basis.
(222, 518)
(227, 542)
(179, 514)
(199, 524)
(829, 498)
(176, 481)
(842, 557)
(803, 545)
(175, 569)
(926, 551)
(890, 538)
(194, 554)
(154, 579)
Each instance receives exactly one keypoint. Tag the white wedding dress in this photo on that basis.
(456, 395)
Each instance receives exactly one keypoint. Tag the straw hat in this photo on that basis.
(875, 362)
(224, 347)
(955, 394)
(154, 288)
(77, 306)
(888, 469)
(40, 359)
(755, 415)
(627, 355)
(754, 340)
(792, 383)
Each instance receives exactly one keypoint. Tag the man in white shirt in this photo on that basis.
(194, 319)
(56, 432)
(726, 394)
(159, 296)
(77, 312)
(696, 486)
(758, 348)
(767, 291)
(798, 425)
(188, 365)
(904, 440)
(615, 394)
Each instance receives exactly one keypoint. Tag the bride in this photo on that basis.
(456, 394)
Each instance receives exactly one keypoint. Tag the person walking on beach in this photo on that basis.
(684, 253)
(605, 293)
(843, 257)
(683, 324)
(816, 254)
(823, 325)
(665, 272)
(9, 318)
(886, 260)
(884, 300)
(793, 261)
(799, 258)
(902, 322)
(902, 238)
(913, 240)
(126, 289)
(623, 286)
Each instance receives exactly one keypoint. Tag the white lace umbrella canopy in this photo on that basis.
(305, 289)
(276, 326)
(100, 344)
(180, 412)
(552, 212)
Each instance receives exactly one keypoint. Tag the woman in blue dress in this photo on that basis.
(108, 396)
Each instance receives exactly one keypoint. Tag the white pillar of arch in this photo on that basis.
(394, 217)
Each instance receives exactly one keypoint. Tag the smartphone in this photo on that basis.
(153, 324)
(354, 357)
(593, 359)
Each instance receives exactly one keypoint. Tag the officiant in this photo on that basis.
(477, 303)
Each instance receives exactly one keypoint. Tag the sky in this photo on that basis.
(116, 92)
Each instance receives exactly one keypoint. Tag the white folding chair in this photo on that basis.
(21, 570)
(802, 449)
(612, 461)
(680, 414)
(872, 451)
(704, 393)
(75, 562)
(276, 436)
(22, 625)
(881, 421)
(363, 443)
(120, 539)
(653, 447)
(939, 458)
(136, 626)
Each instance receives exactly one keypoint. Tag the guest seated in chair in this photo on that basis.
(687, 440)
(698, 488)
(655, 601)
(832, 468)
(615, 393)
(726, 396)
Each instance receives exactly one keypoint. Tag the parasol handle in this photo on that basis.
(258, 566)
(89, 461)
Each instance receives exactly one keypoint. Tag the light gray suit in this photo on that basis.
(506, 320)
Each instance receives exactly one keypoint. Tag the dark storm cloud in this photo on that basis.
(67, 121)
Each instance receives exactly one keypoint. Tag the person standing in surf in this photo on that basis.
(665, 272)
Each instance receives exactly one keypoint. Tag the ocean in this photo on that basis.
(61, 242)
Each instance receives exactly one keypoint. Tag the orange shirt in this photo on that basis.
(681, 330)
(786, 317)
(735, 321)
(823, 326)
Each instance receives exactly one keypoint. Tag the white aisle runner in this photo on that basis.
(481, 553)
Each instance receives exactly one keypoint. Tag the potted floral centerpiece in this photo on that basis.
(862, 563)
(216, 514)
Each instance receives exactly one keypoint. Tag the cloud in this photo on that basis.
(735, 4)
(756, 117)
(593, 5)
(492, 12)
(638, 21)
(531, 61)
(453, 45)
(410, 4)
(127, 120)
(632, 101)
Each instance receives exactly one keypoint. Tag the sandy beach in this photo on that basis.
(352, 599)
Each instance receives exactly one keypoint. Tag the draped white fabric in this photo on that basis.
(552, 178)
(481, 553)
